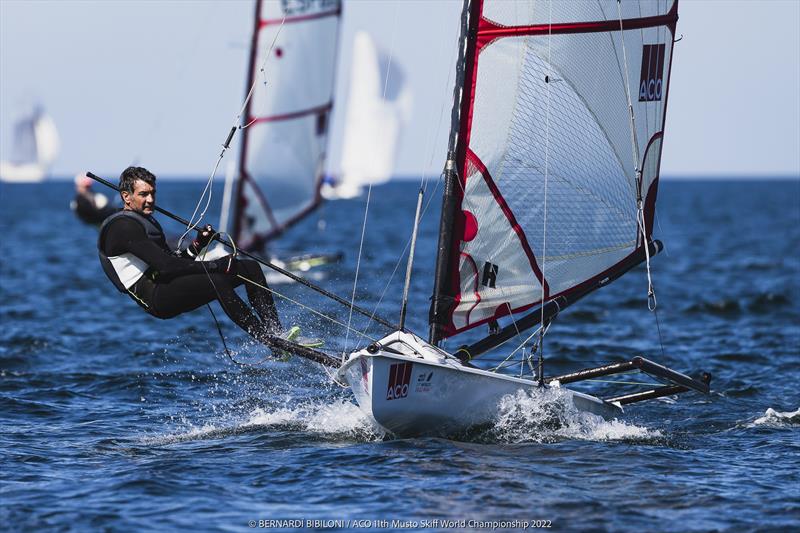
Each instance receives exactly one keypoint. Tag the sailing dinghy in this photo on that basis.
(550, 192)
(36, 146)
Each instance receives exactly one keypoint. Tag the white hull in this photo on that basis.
(425, 391)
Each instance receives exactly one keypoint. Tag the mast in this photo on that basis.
(442, 293)
(251, 72)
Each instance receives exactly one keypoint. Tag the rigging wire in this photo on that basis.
(424, 181)
(369, 196)
(651, 295)
(542, 328)
(652, 302)
(226, 145)
(306, 307)
(358, 267)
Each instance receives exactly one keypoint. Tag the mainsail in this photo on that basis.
(550, 171)
(286, 121)
(377, 106)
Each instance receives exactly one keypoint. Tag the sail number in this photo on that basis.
(302, 7)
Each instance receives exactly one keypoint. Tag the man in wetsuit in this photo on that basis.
(135, 257)
(89, 206)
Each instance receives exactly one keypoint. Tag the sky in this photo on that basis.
(160, 83)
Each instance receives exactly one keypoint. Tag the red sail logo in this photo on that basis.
(399, 379)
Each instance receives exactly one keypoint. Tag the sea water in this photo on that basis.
(112, 419)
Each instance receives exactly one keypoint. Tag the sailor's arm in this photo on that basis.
(128, 236)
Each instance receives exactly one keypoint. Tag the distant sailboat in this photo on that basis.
(378, 105)
(36, 146)
(285, 136)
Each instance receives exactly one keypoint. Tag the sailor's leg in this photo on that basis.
(260, 299)
(186, 293)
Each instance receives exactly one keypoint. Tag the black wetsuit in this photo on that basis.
(176, 284)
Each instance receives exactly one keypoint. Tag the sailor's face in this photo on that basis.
(142, 199)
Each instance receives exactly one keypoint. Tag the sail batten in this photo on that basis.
(560, 115)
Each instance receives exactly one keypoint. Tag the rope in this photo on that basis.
(358, 267)
(651, 294)
(307, 308)
(366, 207)
(542, 328)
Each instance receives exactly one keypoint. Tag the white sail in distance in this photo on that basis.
(36, 145)
(378, 106)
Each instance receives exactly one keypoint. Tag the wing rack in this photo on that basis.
(678, 382)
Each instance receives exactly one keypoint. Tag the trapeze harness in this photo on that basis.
(134, 255)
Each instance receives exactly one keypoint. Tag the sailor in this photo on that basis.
(135, 257)
(91, 207)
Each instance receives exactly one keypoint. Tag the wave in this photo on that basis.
(768, 302)
(762, 303)
(721, 308)
(339, 419)
(778, 419)
(549, 415)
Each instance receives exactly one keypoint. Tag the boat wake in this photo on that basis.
(337, 420)
(548, 415)
(777, 419)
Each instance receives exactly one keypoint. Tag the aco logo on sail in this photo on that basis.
(399, 380)
(652, 83)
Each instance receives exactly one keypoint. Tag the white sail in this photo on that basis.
(378, 106)
(36, 146)
(286, 122)
(547, 169)
(542, 201)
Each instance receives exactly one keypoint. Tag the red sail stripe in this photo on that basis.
(292, 115)
(299, 18)
(489, 31)
(512, 220)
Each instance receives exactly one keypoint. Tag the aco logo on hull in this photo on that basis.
(399, 380)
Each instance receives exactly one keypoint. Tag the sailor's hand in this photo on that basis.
(204, 236)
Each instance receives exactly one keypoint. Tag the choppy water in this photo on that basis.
(112, 419)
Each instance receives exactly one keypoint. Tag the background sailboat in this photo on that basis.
(35, 147)
(286, 122)
(378, 106)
